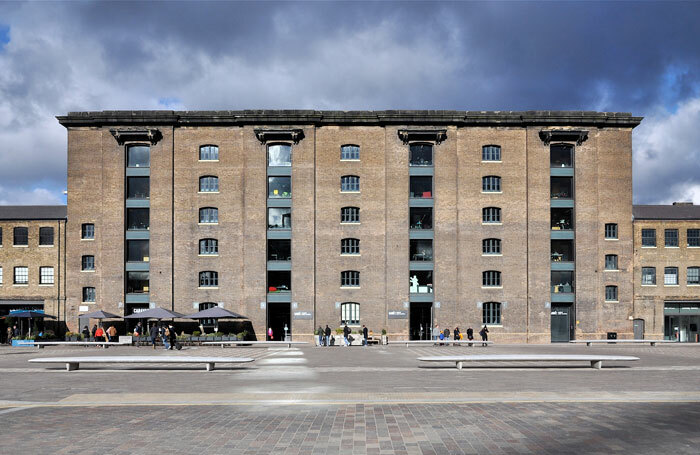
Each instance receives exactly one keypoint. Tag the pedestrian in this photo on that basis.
(346, 333)
(470, 334)
(111, 333)
(154, 334)
(138, 330)
(328, 335)
(100, 335)
(16, 332)
(447, 333)
(436, 332)
(457, 334)
(319, 332)
(173, 336)
(9, 334)
(165, 336)
(484, 334)
(270, 335)
(94, 332)
(365, 335)
(86, 333)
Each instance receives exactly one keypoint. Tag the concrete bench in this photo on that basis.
(651, 342)
(41, 344)
(596, 360)
(256, 343)
(437, 342)
(73, 363)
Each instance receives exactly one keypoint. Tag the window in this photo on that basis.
(693, 275)
(208, 279)
(87, 231)
(562, 282)
(561, 187)
(670, 276)
(279, 187)
(21, 235)
(491, 278)
(209, 215)
(491, 313)
(209, 247)
(649, 275)
(350, 215)
(611, 293)
(350, 152)
(0, 276)
(279, 281)
(21, 275)
(491, 153)
(349, 183)
(693, 237)
(279, 155)
(611, 262)
(562, 250)
(137, 251)
(209, 153)
(649, 237)
(562, 219)
(350, 246)
(88, 263)
(561, 155)
(420, 250)
(491, 215)
(421, 187)
(209, 184)
(138, 188)
(421, 217)
(421, 155)
(88, 294)
(137, 282)
(491, 184)
(671, 237)
(350, 278)
(45, 275)
(137, 219)
(611, 231)
(420, 282)
(279, 250)
(138, 156)
(279, 218)
(0, 236)
(46, 236)
(491, 246)
(349, 313)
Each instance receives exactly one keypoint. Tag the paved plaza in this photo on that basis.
(354, 400)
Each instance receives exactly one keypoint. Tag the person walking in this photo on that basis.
(172, 336)
(9, 334)
(270, 335)
(328, 335)
(100, 335)
(365, 335)
(94, 332)
(319, 332)
(86, 333)
(165, 336)
(484, 334)
(447, 333)
(111, 333)
(436, 332)
(154, 334)
(346, 333)
(138, 330)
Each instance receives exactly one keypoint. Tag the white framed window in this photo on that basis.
(670, 276)
(491, 184)
(611, 293)
(491, 313)
(209, 184)
(350, 313)
(491, 246)
(209, 247)
(46, 275)
(209, 153)
(611, 262)
(279, 155)
(88, 294)
(21, 275)
(208, 279)
(350, 152)
(350, 215)
(649, 237)
(693, 275)
(350, 278)
(693, 237)
(209, 215)
(671, 238)
(349, 183)
(649, 276)
(491, 153)
(491, 215)
(350, 246)
(87, 231)
(491, 278)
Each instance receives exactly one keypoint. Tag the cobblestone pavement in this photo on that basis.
(358, 429)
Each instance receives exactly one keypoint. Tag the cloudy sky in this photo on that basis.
(57, 57)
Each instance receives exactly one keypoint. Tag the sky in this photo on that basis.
(57, 57)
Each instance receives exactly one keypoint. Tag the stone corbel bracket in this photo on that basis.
(294, 135)
(151, 135)
(578, 136)
(435, 136)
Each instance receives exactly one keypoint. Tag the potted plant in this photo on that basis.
(385, 339)
(195, 336)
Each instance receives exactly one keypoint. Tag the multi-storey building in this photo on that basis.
(398, 220)
(667, 271)
(32, 259)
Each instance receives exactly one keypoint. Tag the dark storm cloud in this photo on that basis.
(638, 57)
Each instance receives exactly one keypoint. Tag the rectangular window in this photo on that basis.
(88, 294)
(490, 215)
(21, 275)
(279, 282)
(349, 183)
(421, 187)
(649, 237)
(88, 263)
(350, 152)
(137, 251)
(350, 278)
(87, 231)
(421, 155)
(611, 262)
(649, 275)
(350, 246)
(491, 153)
(46, 236)
(138, 156)
(350, 215)
(209, 215)
(279, 187)
(136, 282)
(611, 293)
(21, 236)
(491, 246)
(209, 247)
(561, 156)
(671, 237)
(137, 219)
(0, 275)
(421, 217)
(279, 155)
(45, 275)
(562, 282)
(562, 250)
(421, 250)
(693, 275)
(279, 250)
(491, 313)
(693, 237)
(562, 187)
(279, 218)
(491, 184)
(209, 184)
(138, 188)
(670, 276)
(208, 279)
(491, 278)
(611, 231)
(350, 313)
(562, 219)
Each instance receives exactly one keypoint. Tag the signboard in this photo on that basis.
(83, 308)
(303, 315)
(125, 339)
(398, 314)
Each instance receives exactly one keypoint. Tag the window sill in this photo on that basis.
(208, 287)
(491, 192)
(284, 198)
(671, 285)
(350, 254)
(491, 255)
(349, 222)
(650, 247)
(350, 192)
(207, 224)
(46, 246)
(693, 246)
(87, 271)
(491, 224)
(208, 255)
(491, 287)
(693, 285)
(40, 285)
(672, 247)
(612, 301)
(87, 240)
(350, 287)
(207, 161)
(611, 240)
(20, 246)
(87, 303)
(207, 192)
(21, 285)
(649, 285)
(491, 161)
(488, 325)
(611, 270)
(350, 159)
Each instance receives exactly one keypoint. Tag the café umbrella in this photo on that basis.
(100, 315)
(155, 313)
(29, 314)
(215, 313)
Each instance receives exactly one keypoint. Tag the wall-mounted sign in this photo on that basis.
(437, 304)
(303, 315)
(83, 308)
(398, 314)
(262, 305)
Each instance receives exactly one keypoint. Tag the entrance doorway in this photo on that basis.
(638, 329)
(681, 321)
(561, 323)
(278, 317)
(421, 320)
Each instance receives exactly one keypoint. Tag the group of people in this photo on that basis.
(163, 332)
(13, 332)
(326, 339)
(445, 334)
(99, 333)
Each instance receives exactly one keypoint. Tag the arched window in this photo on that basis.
(491, 313)
(421, 155)
(209, 215)
(209, 247)
(349, 183)
(350, 278)
(491, 246)
(491, 184)
(561, 155)
(491, 153)
(350, 215)
(208, 279)
(279, 155)
(611, 293)
(209, 184)
(491, 215)
(207, 322)
(350, 246)
(209, 153)
(350, 152)
(350, 313)
(138, 156)
(491, 278)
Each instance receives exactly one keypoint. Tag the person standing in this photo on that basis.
(365, 335)
(346, 333)
(94, 332)
(484, 334)
(328, 335)
(447, 333)
(111, 333)
(456, 333)
(100, 335)
(172, 336)
(86, 333)
(165, 336)
(319, 332)
(154, 334)
(9, 334)
(470, 334)
(436, 332)
(270, 335)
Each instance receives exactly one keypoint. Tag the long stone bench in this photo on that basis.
(596, 360)
(408, 343)
(73, 363)
(41, 344)
(651, 342)
(256, 343)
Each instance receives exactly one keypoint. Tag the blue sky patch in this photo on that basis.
(170, 102)
(4, 35)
